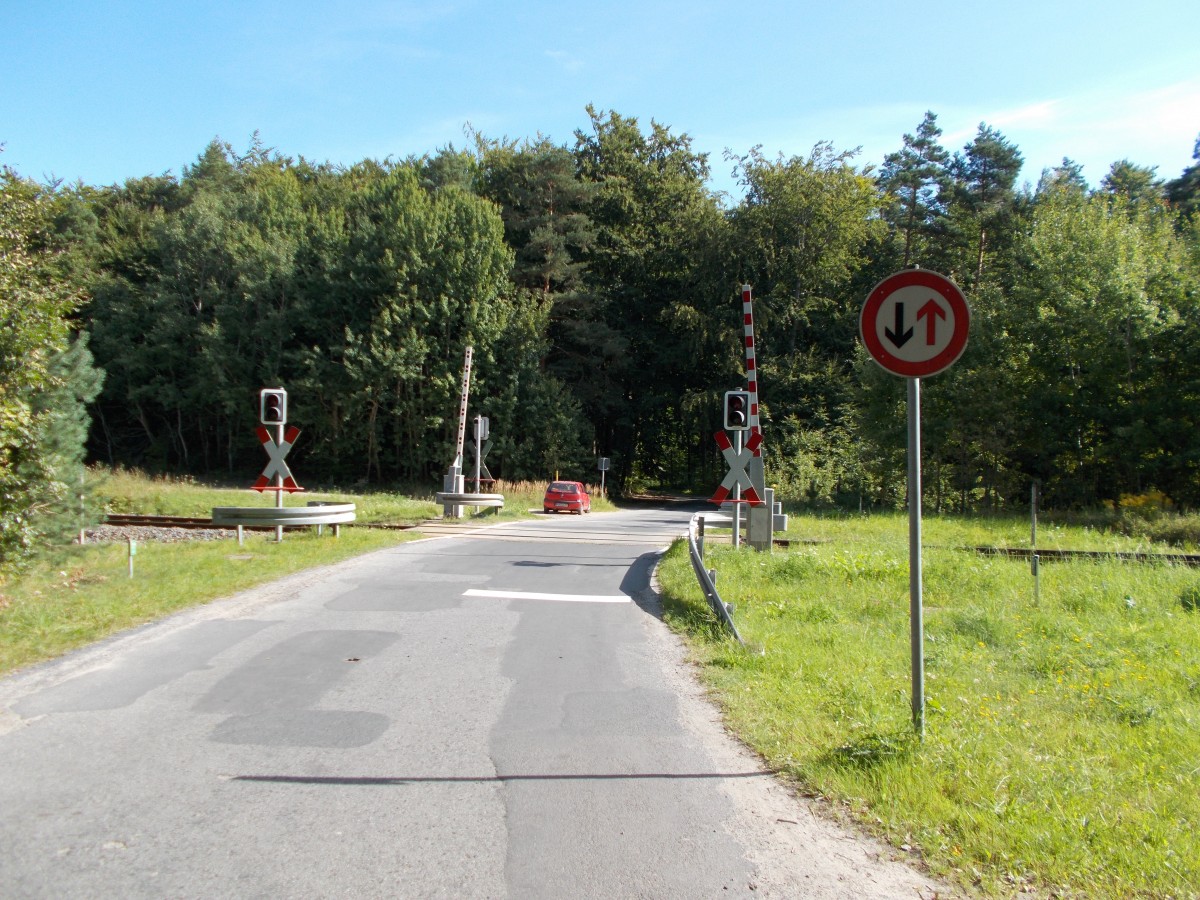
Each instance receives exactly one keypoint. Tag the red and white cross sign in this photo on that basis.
(737, 476)
(276, 467)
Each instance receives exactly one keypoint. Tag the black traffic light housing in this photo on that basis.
(737, 410)
(272, 406)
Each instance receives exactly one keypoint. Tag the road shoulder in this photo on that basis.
(797, 849)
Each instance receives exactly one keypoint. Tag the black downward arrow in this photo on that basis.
(899, 337)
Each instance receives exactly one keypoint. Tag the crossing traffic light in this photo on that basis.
(272, 406)
(737, 410)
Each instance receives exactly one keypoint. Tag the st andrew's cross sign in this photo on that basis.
(277, 469)
(737, 477)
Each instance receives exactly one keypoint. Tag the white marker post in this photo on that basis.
(915, 323)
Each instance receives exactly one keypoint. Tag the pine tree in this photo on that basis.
(914, 181)
(1138, 185)
(34, 304)
(1184, 191)
(985, 174)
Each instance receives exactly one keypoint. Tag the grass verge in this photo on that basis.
(129, 491)
(79, 595)
(74, 595)
(1062, 744)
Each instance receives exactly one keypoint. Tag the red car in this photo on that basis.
(566, 496)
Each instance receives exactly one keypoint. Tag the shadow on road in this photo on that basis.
(636, 583)
(397, 780)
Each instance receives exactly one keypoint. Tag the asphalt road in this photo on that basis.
(496, 713)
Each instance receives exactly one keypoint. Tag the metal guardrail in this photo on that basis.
(706, 577)
(468, 499)
(315, 513)
(326, 514)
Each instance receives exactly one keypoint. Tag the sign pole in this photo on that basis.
(279, 485)
(478, 450)
(915, 599)
(915, 323)
(737, 499)
(1033, 556)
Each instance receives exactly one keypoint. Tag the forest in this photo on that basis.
(598, 282)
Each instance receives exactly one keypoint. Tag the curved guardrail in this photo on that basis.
(280, 517)
(707, 577)
(325, 514)
(466, 499)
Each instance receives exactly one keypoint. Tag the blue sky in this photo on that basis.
(105, 91)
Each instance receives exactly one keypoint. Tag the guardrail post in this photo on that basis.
(708, 579)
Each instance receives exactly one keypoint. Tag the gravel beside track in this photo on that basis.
(105, 534)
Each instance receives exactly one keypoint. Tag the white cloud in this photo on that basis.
(567, 61)
(1150, 127)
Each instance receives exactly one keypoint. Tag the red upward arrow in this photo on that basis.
(931, 312)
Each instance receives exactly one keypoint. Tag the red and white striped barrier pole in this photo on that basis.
(755, 470)
(751, 366)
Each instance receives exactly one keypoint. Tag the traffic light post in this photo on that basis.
(737, 420)
(272, 411)
(746, 480)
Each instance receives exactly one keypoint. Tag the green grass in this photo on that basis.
(78, 595)
(72, 595)
(126, 491)
(1062, 745)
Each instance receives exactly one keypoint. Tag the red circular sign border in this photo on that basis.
(925, 278)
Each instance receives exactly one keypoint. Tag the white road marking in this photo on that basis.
(568, 598)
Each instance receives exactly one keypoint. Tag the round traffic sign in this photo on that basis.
(915, 323)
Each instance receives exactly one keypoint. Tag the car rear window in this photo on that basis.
(563, 487)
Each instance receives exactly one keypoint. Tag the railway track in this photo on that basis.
(120, 519)
(440, 527)
(158, 521)
(1179, 559)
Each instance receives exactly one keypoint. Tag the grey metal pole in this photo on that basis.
(478, 450)
(82, 509)
(1034, 562)
(737, 497)
(1033, 516)
(916, 613)
(279, 484)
